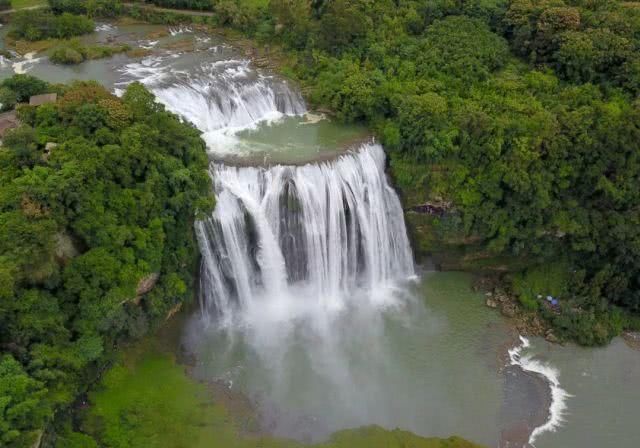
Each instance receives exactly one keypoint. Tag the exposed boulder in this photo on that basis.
(173, 311)
(491, 303)
(550, 337)
(147, 283)
(65, 248)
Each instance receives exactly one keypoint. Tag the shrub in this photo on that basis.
(66, 55)
(8, 99)
(74, 52)
(25, 86)
(185, 4)
(94, 8)
(118, 116)
(38, 24)
(547, 279)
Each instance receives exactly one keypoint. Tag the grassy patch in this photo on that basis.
(148, 400)
(153, 403)
(550, 279)
(19, 4)
(74, 52)
(255, 4)
(376, 437)
(25, 46)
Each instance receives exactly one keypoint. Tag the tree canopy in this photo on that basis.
(97, 200)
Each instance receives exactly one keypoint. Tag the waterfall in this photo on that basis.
(220, 96)
(302, 266)
(326, 231)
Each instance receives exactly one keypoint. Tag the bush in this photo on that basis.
(71, 6)
(20, 396)
(8, 99)
(94, 8)
(74, 52)
(25, 86)
(38, 24)
(588, 327)
(549, 279)
(66, 55)
(202, 5)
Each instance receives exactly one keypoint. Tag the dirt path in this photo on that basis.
(11, 11)
(186, 12)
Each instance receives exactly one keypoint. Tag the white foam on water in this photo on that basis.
(148, 44)
(559, 396)
(24, 65)
(105, 27)
(175, 31)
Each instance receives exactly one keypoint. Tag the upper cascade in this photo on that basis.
(219, 97)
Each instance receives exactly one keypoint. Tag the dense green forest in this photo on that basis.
(522, 114)
(97, 201)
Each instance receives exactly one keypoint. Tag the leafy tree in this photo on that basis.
(25, 86)
(8, 98)
(37, 24)
(113, 203)
(22, 405)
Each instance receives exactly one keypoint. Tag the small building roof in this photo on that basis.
(37, 100)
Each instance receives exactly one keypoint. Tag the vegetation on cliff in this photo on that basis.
(97, 200)
(520, 115)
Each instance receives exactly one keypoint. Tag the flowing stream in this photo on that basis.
(310, 302)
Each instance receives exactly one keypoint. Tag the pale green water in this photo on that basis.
(431, 367)
(605, 387)
(435, 368)
(297, 140)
